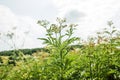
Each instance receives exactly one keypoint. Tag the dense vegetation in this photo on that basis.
(24, 51)
(31, 51)
(97, 59)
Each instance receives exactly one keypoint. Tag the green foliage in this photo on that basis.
(1, 61)
(97, 59)
(59, 37)
(25, 51)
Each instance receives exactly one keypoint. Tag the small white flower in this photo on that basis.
(118, 47)
(112, 53)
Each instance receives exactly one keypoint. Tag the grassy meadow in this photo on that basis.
(97, 58)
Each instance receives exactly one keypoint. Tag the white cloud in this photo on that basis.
(97, 13)
(74, 16)
(91, 15)
(23, 24)
(37, 9)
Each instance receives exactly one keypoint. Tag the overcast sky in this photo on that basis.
(91, 15)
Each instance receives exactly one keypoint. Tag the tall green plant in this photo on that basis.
(59, 36)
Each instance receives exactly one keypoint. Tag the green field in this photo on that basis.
(97, 59)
